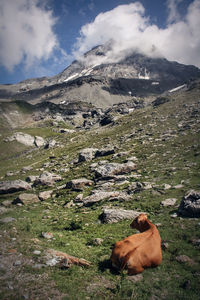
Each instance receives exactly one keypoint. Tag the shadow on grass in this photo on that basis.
(106, 265)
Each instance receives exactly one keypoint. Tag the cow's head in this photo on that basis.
(140, 223)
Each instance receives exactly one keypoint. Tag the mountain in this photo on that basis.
(103, 80)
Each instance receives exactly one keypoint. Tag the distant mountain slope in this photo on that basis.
(102, 81)
(134, 66)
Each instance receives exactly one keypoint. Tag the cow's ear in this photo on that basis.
(142, 218)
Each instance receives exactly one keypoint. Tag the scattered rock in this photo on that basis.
(50, 144)
(22, 138)
(179, 186)
(7, 220)
(3, 210)
(52, 262)
(55, 257)
(98, 283)
(26, 198)
(196, 242)
(185, 259)
(174, 215)
(190, 205)
(104, 152)
(105, 185)
(116, 215)
(97, 241)
(7, 203)
(98, 195)
(69, 204)
(47, 178)
(186, 285)
(32, 178)
(108, 170)
(107, 119)
(39, 141)
(135, 278)
(7, 187)
(38, 266)
(17, 263)
(169, 202)
(47, 235)
(26, 169)
(87, 154)
(132, 158)
(65, 130)
(45, 195)
(147, 185)
(167, 186)
(27, 139)
(37, 252)
(78, 198)
(165, 245)
(79, 184)
(9, 173)
(61, 187)
(135, 187)
(160, 100)
(64, 170)
(120, 154)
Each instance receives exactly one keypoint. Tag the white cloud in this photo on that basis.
(26, 32)
(174, 15)
(130, 29)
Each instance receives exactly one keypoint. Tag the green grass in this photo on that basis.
(161, 161)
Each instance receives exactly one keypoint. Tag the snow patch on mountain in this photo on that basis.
(71, 77)
(146, 75)
(84, 72)
(180, 87)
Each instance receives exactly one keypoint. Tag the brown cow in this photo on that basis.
(138, 251)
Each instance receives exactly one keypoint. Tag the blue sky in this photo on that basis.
(42, 37)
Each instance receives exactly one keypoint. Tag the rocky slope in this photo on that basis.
(75, 199)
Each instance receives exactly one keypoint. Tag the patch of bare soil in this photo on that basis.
(17, 276)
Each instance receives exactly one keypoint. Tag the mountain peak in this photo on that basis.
(102, 78)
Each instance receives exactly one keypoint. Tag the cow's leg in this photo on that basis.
(135, 270)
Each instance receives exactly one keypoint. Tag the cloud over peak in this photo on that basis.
(132, 30)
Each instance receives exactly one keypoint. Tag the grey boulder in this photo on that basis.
(26, 198)
(10, 186)
(109, 170)
(98, 196)
(79, 184)
(111, 215)
(47, 178)
(39, 141)
(87, 154)
(22, 138)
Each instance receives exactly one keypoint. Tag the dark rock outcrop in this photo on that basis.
(160, 100)
(190, 204)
